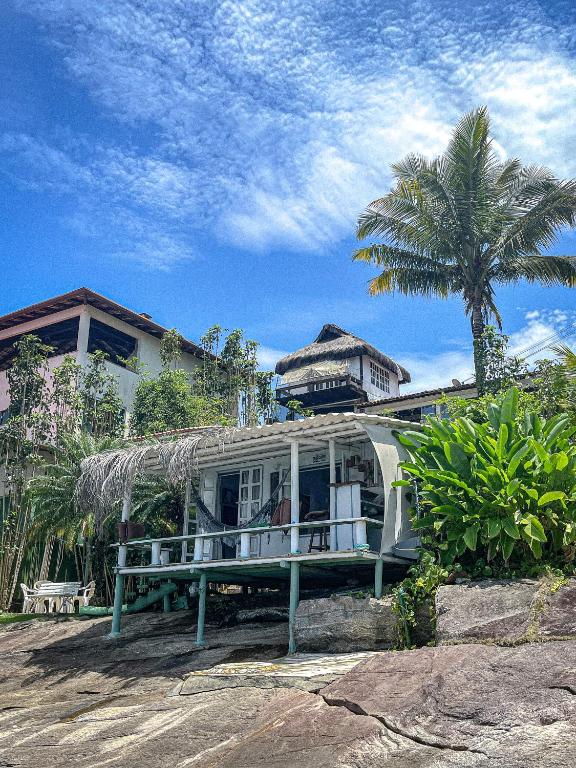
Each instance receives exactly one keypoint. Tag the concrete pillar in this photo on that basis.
(378, 570)
(244, 545)
(185, 522)
(155, 553)
(82, 342)
(332, 478)
(294, 497)
(198, 550)
(117, 610)
(121, 563)
(201, 609)
(294, 599)
(360, 535)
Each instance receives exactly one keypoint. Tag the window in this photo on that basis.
(379, 376)
(318, 385)
(4, 416)
(116, 344)
(62, 337)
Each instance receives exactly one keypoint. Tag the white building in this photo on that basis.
(81, 322)
(338, 372)
(309, 502)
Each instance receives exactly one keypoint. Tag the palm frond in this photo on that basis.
(391, 257)
(568, 359)
(411, 282)
(549, 270)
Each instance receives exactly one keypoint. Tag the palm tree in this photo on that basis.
(465, 222)
(51, 493)
(567, 358)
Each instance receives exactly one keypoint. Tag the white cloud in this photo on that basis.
(433, 371)
(268, 357)
(274, 122)
(543, 329)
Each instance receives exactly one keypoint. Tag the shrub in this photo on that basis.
(505, 487)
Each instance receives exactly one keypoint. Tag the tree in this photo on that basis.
(22, 440)
(167, 402)
(49, 411)
(51, 495)
(465, 222)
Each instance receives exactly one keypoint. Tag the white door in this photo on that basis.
(250, 500)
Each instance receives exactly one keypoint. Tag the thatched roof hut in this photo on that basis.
(334, 343)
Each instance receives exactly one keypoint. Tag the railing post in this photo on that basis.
(332, 478)
(185, 522)
(155, 554)
(201, 609)
(294, 498)
(244, 545)
(198, 550)
(360, 535)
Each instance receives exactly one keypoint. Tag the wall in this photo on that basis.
(148, 351)
(278, 543)
(421, 401)
(53, 362)
(373, 392)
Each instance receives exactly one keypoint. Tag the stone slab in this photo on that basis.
(342, 624)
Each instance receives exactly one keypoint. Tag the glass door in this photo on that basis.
(250, 500)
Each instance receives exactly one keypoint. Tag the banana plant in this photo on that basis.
(505, 486)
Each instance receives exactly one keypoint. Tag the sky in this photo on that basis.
(206, 162)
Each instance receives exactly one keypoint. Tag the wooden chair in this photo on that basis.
(320, 532)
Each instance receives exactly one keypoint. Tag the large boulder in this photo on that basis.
(70, 698)
(469, 705)
(505, 611)
(342, 623)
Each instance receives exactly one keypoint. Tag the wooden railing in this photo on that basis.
(359, 539)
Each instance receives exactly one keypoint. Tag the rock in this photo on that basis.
(345, 624)
(505, 611)
(308, 672)
(247, 616)
(472, 705)
(558, 615)
(69, 698)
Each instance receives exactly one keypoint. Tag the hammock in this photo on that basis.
(207, 523)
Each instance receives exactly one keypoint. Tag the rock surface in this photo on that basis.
(505, 611)
(345, 624)
(70, 698)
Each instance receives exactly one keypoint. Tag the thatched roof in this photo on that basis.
(334, 343)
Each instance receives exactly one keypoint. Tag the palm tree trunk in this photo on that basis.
(478, 327)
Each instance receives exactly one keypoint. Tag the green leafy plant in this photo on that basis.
(503, 488)
(417, 593)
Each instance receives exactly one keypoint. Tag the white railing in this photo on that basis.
(158, 547)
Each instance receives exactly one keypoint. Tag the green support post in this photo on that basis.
(294, 598)
(201, 610)
(378, 578)
(167, 601)
(117, 610)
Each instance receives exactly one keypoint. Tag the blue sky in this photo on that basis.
(206, 162)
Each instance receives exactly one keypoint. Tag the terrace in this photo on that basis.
(242, 527)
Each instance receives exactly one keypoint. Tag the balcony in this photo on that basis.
(322, 391)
